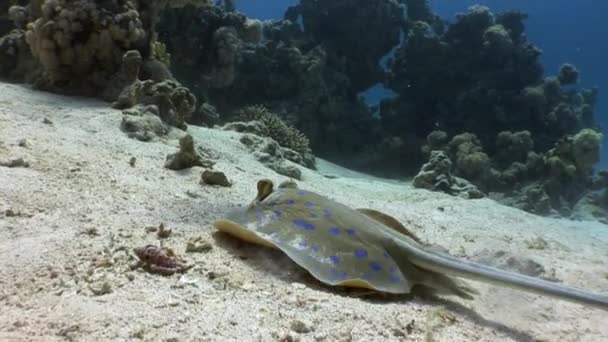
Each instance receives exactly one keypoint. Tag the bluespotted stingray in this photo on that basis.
(364, 248)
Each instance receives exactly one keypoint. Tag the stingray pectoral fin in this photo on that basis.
(357, 283)
(237, 230)
(448, 265)
(388, 221)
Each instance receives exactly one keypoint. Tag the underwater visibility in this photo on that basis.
(302, 170)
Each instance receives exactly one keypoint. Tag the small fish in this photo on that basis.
(364, 248)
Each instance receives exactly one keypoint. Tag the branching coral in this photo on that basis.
(275, 128)
(471, 162)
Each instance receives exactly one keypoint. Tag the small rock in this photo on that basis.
(151, 229)
(132, 161)
(47, 121)
(215, 178)
(101, 289)
(538, 243)
(163, 233)
(320, 337)
(17, 162)
(23, 143)
(19, 324)
(186, 157)
(286, 170)
(289, 337)
(192, 194)
(142, 124)
(198, 245)
(300, 327)
(398, 332)
(138, 333)
(298, 286)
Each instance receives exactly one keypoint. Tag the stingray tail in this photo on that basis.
(448, 265)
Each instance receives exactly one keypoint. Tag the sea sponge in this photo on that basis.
(586, 149)
(575, 155)
(253, 31)
(496, 38)
(568, 74)
(227, 45)
(513, 147)
(275, 128)
(437, 140)
(160, 53)
(471, 162)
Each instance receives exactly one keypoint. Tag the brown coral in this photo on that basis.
(274, 127)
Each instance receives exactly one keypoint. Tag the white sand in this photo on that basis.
(80, 179)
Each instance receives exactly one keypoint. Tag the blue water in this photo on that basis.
(571, 31)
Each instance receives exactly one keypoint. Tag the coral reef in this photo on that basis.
(175, 102)
(356, 34)
(95, 48)
(287, 72)
(473, 89)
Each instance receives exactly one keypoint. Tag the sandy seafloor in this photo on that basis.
(68, 223)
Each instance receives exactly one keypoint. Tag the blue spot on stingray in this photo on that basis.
(301, 192)
(338, 274)
(309, 204)
(314, 248)
(350, 231)
(326, 213)
(334, 259)
(392, 269)
(304, 224)
(360, 253)
(303, 244)
(394, 279)
(289, 201)
(375, 266)
(334, 230)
